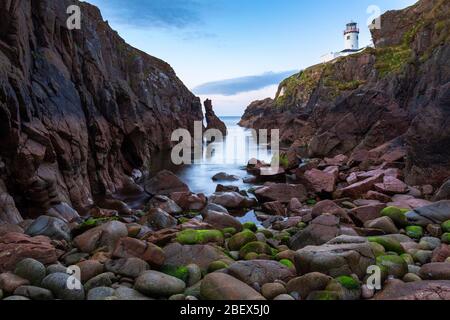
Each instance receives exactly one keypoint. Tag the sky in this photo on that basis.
(237, 51)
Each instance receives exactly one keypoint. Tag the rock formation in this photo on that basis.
(213, 121)
(79, 109)
(387, 103)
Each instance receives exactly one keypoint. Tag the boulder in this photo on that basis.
(220, 286)
(166, 204)
(335, 260)
(321, 181)
(127, 267)
(202, 255)
(272, 290)
(240, 239)
(308, 283)
(15, 247)
(435, 213)
(165, 183)
(57, 283)
(189, 201)
(90, 269)
(260, 271)
(34, 293)
(54, 228)
(358, 189)
(9, 282)
(158, 219)
(444, 192)
(281, 192)
(391, 185)
(220, 221)
(275, 208)
(435, 271)
(157, 284)
(32, 270)
(318, 232)
(147, 251)
(330, 207)
(232, 200)
(384, 224)
(419, 290)
(361, 215)
(106, 235)
(222, 176)
(64, 212)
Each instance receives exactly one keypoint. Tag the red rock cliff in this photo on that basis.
(391, 101)
(79, 110)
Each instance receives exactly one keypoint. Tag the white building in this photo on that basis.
(351, 43)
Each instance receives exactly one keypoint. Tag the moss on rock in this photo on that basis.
(217, 265)
(255, 247)
(396, 265)
(389, 244)
(199, 236)
(240, 239)
(415, 232)
(398, 215)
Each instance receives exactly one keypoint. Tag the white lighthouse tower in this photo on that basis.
(351, 35)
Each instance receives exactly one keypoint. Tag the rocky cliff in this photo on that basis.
(388, 103)
(80, 109)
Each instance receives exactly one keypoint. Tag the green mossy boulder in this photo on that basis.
(240, 239)
(217, 265)
(446, 238)
(346, 287)
(180, 272)
(255, 247)
(398, 215)
(408, 258)
(395, 265)
(389, 244)
(250, 226)
(414, 232)
(199, 236)
(229, 231)
(288, 263)
(267, 233)
(446, 226)
(377, 249)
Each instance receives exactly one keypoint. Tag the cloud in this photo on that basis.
(227, 105)
(178, 14)
(234, 86)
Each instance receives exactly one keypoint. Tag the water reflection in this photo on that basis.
(230, 155)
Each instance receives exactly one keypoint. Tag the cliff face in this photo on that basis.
(387, 103)
(80, 109)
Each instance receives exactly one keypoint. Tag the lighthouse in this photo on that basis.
(351, 46)
(351, 36)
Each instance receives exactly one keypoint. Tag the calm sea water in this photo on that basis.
(230, 155)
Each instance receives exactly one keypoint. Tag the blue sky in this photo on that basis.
(251, 44)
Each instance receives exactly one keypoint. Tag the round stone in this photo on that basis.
(32, 270)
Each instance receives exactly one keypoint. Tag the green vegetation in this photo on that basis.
(282, 159)
(348, 282)
(250, 226)
(392, 59)
(179, 272)
(288, 263)
(240, 239)
(217, 265)
(94, 222)
(389, 244)
(446, 238)
(199, 236)
(446, 226)
(415, 232)
(398, 215)
(255, 247)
